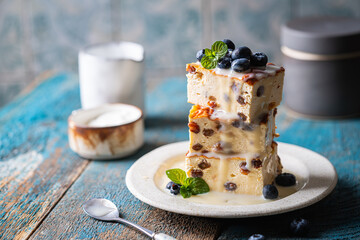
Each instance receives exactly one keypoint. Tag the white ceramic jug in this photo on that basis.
(112, 73)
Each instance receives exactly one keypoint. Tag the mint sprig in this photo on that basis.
(176, 175)
(208, 62)
(189, 186)
(219, 48)
(212, 56)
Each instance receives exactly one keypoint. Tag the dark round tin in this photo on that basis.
(322, 63)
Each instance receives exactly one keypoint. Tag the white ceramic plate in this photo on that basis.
(317, 174)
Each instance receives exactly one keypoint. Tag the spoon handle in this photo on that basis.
(134, 225)
(163, 236)
(151, 234)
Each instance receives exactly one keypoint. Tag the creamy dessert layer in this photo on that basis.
(251, 93)
(235, 173)
(220, 132)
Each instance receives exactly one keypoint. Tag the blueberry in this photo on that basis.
(168, 186)
(241, 52)
(175, 189)
(285, 179)
(270, 192)
(257, 237)
(240, 65)
(225, 63)
(258, 59)
(299, 227)
(229, 43)
(200, 54)
(175, 192)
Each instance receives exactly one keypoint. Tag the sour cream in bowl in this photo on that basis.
(108, 131)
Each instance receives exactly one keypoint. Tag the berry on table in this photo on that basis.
(241, 52)
(285, 179)
(240, 65)
(225, 63)
(299, 227)
(258, 59)
(229, 44)
(200, 54)
(270, 192)
(257, 236)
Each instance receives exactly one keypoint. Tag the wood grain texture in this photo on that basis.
(180, 226)
(335, 217)
(107, 179)
(36, 165)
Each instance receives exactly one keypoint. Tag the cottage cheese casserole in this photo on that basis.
(232, 120)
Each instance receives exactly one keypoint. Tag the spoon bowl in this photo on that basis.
(101, 209)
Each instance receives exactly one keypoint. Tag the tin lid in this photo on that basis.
(322, 35)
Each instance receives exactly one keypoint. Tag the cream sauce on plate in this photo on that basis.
(214, 197)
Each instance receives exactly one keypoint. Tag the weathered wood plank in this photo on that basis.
(166, 122)
(183, 227)
(36, 165)
(26, 203)
(68, 221)
(107, 179)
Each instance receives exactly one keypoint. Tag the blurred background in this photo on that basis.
(44, 36)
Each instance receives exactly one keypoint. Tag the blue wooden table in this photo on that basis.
(43, 183)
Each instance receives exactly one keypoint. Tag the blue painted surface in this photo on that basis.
(12, 37)
(167, 111)
(336, 217)
(59, 29)
(255, 24)
(30, 115)
(40, 35)
(36, 167)
(171, 31)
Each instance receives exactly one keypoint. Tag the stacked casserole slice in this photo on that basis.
(232, 127)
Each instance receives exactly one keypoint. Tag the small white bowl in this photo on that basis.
(92, 134)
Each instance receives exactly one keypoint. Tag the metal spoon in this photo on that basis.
(105, 210)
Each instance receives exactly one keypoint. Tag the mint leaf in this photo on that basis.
(189, 186)
(208, 62)
(188, 181)
(213, 56)
(198, 186)
(176, 175)
(208, 52)
(185, 192)
(219, 49)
